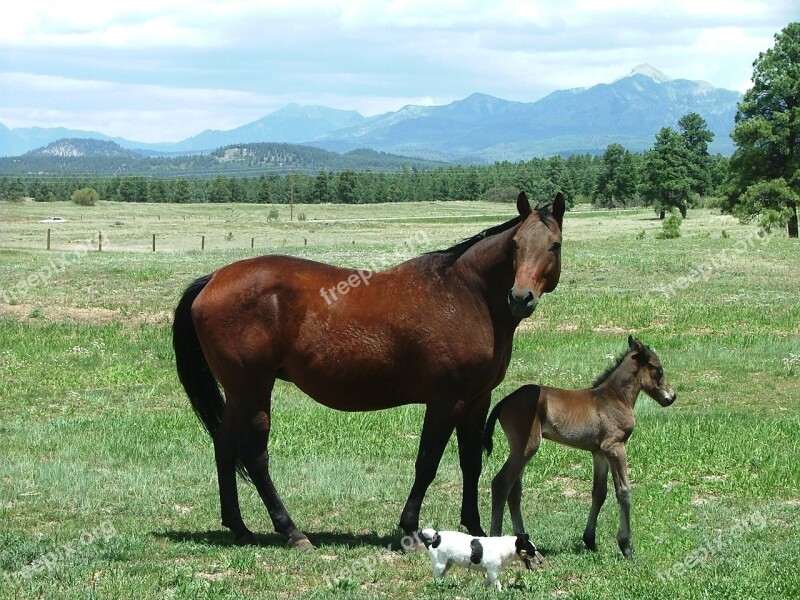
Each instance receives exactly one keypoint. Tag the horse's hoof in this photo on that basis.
(301, 544)
(245, 539)
(417, 547)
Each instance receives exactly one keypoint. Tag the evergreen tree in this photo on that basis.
(219, 190)
(696, 137)
(666, 183)
(767, 135)
(617, 180)
(181, 191)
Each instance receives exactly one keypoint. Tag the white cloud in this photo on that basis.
(170, 68)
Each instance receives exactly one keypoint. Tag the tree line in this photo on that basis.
(617, 178)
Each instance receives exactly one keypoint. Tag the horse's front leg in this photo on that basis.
(469, 432)
(437, 428)
(618, 462)
(599, 491)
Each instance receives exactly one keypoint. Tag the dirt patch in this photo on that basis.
(74, 314)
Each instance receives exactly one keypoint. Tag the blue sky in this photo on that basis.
(164, 70)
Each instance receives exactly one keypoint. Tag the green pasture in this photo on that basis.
(107, 480)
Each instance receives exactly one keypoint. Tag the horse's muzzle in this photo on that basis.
(522, 304)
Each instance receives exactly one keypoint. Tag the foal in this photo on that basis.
(599, 420)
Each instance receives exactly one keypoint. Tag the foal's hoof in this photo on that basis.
(301, 544)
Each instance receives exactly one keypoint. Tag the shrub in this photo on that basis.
(273, 214)
(502, 194)
(85, 196)
(772, 218)
(670, 228)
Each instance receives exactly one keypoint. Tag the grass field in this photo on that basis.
(107, 481)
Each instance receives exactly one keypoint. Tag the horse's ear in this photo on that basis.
(523, 206)
(559, 205)
(631, 343)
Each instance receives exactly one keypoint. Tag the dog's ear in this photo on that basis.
(522, 539)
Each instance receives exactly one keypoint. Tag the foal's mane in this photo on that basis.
(613, 367)
(453, 253)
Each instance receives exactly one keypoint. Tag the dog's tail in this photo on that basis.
(430, 537)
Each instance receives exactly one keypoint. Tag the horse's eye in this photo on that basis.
(555, 248)
(659, 373)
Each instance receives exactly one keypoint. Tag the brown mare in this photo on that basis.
(599, 420)
(435, 330)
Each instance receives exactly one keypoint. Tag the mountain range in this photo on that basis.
(479, 128)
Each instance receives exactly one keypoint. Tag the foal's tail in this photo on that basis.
(488, 430)
(193, 370)
(491, 421)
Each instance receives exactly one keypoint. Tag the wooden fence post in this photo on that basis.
(202, 242)
(154, 242)
(48, 239)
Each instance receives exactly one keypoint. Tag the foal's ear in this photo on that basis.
(642, 353)
(523, 206)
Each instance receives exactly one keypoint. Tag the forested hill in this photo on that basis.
(105, 158)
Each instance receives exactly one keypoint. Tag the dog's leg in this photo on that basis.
(492, 580)
(440, 568)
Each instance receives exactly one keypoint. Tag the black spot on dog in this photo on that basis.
(476, 554)
(437, 539)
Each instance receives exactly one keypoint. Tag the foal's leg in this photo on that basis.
(470, 452)
(618, 461)
(225, 455)
(507, 486)
(437, 428)
(599, 491)
(254, 422)
(523, 444)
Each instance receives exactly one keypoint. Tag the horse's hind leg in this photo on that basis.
(225, 455)
(504, 485)
(618, 462)
(523, 442)
(254, 422)
(599, 491)
(470, 433)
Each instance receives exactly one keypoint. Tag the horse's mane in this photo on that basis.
(453, 253)
(613, 367)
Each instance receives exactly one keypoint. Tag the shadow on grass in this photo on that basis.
(274, 540)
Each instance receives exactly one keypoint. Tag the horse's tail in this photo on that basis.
(193, 371)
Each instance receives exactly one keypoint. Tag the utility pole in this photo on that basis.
(291, 196)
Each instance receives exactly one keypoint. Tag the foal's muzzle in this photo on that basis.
(669, 399)
(522, 303)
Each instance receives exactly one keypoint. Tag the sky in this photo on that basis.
(164, 70)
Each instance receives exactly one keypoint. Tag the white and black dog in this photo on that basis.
(487, 554)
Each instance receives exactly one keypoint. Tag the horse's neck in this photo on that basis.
(624, 384)
(488, 267)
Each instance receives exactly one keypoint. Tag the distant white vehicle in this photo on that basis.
(54, 220)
